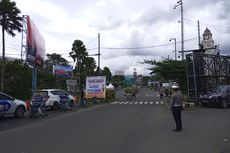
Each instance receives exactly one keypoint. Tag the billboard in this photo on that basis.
(71, 86)
(35, 54)
(95, 87)
(63, 71)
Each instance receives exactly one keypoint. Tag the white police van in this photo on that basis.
(11, 106)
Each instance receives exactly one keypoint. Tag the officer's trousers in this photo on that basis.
(176, 111)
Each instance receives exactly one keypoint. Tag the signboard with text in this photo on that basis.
(95, 86)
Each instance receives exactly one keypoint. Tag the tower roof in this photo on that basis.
(207, 31)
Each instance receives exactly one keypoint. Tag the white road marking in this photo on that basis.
(121, 102)
(157, 102)
(136, 102)
(126, 102)
(162, 102)
(151, 102)
(115, 102)
(131, 103)
(146, 102)
(141, 102)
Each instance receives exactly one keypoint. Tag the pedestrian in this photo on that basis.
(82, 100)
(161, 94)
(134, 93)
(63, 102)
(176, 106)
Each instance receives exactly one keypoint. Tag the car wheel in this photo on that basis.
(71, 103)
(55, 106)
(224, 103)
(20, 111)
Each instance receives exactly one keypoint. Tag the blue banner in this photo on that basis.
(63, 71)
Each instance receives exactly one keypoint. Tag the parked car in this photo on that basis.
(219, 96)
(52, 97)
(11, 106)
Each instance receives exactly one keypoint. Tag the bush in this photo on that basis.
(110, 94)
(129, 90)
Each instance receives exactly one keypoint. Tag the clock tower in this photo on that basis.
(208, 42)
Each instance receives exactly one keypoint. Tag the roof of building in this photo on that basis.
(207, 31)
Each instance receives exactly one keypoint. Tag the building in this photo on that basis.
(122, 73)
(208, 43)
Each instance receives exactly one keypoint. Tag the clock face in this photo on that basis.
(206, 37)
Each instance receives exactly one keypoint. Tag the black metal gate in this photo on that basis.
(205, 71)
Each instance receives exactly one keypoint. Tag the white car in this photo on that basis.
(52, 97)
(11, 106)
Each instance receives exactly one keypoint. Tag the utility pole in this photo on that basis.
(180, 3)
(199, 44)
(99, 54)
(174, 46)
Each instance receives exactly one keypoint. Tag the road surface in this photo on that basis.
(141, 125)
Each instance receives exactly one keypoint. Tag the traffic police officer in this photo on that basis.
(176, 105)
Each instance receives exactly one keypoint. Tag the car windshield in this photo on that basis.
(217, 89)
(40, 93)
(223, 89)
(58, 92)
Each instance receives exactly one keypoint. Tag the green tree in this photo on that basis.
(10, 22)
(145, 80)
(106, 72)
(89, 66)
(18, 78)
(118, 80)
(53, 59)
(79, 54)
(170, 70)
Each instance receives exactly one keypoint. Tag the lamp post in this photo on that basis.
(175, 46)
(180, 3)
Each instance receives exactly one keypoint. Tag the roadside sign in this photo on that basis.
(95, 87)
(71, 85)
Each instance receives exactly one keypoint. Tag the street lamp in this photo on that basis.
(175, 46)
(180, 3)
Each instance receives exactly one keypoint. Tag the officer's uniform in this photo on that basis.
(176, 107)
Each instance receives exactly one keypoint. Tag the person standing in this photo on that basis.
(176, 106)
(134, 93)
(161, 94)
(82, 100)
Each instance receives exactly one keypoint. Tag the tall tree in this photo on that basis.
(89, 65)
(10, 22)
(106, 72)
(78, 54)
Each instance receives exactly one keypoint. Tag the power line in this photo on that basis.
(213, 25)
(146, 47)
(91, 41)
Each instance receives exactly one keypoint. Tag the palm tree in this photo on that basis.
(90, 65)
(78, 51)
(78, 54)
(10, 21)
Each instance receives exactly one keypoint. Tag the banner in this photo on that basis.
(63, 71)
(35, 54)
(95, 87)
(71, 86)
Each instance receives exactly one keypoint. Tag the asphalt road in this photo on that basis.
(141, 125)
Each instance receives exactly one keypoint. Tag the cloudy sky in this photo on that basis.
(124, 24)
